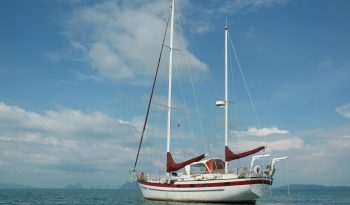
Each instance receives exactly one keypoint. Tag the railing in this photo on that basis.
(141, 176)
(243, 172)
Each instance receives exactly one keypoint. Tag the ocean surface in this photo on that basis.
(96, 197)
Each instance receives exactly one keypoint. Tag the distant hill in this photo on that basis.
(14, 186)
(129, 185)
(306, 187)
(74, 186)
(299, 187)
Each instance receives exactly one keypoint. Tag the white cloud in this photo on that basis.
(65, 122)
(108, 63)
(232, 7)
(273, 145)
(121, 40)
(344, 110)
(322, 157)
(249, 5)
(65, 142)
(342, 143)
(202, 17)
(70, 144)
(285, 144)
(312, 154)
(200, 27)
(253, 131)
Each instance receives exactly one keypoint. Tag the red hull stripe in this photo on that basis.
(220, 184)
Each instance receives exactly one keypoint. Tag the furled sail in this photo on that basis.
(229, 155)
(171, 165)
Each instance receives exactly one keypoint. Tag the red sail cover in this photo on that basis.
(229, 155)
(171, 165)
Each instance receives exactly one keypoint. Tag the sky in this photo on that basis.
(75, 78)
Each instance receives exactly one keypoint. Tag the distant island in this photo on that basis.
(313, 187)
(129, 185)
(133, 185)
(14, 186)
(80, 186)
(301, 187)
(74, 186)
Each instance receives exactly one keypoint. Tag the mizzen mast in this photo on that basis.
(170, 76)
(226, 95)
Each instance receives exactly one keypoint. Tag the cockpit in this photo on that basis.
(210, 166)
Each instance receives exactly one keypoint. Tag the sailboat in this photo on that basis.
(215, 182)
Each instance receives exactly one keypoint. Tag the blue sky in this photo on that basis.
(75, 77)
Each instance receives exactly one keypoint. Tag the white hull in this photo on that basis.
(234, 190)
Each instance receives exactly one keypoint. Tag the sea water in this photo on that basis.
(132, 196)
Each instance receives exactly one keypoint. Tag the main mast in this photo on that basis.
(226, 96)
(170, 76)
